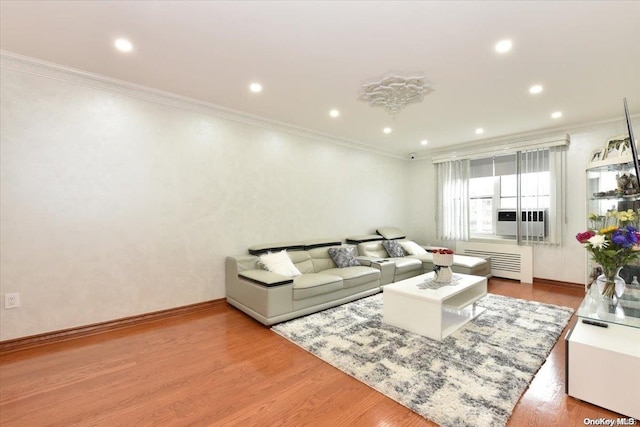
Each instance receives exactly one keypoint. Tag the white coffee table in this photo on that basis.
(433, 313)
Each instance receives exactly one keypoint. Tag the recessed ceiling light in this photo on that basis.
(386, 130)
(503, 46)
(556, 114)
(334, 113)
(424, 142)
(255, 87)
(123, 45)
(479, 131)
(535, 89)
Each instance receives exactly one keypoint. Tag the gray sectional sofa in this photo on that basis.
(271, 298)
(312, 280)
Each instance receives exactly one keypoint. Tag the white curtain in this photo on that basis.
(452, 217)
(534, 188)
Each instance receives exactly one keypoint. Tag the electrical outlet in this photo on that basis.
(12, 300)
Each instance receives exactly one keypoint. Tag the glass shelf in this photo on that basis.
(632, 197)
(624, 311)
(606, 188)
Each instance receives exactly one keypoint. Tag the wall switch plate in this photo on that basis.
(12, 300)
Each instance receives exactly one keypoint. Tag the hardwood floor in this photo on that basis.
(219, 367)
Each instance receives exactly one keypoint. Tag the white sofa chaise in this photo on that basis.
(371, 247)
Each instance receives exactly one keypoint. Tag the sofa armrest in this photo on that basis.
(265, 278)
(367, 261)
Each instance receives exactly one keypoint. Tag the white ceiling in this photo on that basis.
(314, 56)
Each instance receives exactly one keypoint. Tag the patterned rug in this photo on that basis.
(474, 377)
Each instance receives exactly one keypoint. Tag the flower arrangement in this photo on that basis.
(443, 251)
(443, 257)
(612, 247)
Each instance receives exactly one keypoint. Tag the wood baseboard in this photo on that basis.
(17, 344)
(540, 281)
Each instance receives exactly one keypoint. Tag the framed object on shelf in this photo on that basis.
(618, 146)
(596, 155)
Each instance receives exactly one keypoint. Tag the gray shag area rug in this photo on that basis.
(474, 377)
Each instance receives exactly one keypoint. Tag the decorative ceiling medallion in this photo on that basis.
(394, 92)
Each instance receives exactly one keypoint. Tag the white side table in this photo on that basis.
(603, 355)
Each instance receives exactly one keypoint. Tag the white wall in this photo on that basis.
(114, 206)
(566, 262)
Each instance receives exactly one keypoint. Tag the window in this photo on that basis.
(481, 205)
(493, 188)
(513, 196)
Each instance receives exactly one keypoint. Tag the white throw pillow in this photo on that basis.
(412, 248)
(279, 263)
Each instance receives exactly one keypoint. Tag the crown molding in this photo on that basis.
(507, 147)
(555, 133)
(13, 61)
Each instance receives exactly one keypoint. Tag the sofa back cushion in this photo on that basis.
(321, 259)
(412, 248)
(302, 261)
(372, 249)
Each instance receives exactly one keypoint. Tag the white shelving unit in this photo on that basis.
(603, 348)
(603, 195)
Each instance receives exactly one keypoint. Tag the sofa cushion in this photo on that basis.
(461, 260)
(343, 257)
(313, 284)
(468, 261)
(354, 276)
(412, 248)
(391, 233)
(406, 264)
(393, 248)
(279, 263)
(372, 249)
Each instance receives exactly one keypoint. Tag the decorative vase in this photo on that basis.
(610, 283)
(443, 274)
(442, 266)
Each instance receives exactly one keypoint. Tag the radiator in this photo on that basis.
(508, 261)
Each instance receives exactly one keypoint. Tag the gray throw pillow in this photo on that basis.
(343, 257)
(393, 248)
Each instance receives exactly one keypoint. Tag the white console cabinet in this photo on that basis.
(603, 354)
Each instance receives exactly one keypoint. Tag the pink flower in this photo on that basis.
(584, 236)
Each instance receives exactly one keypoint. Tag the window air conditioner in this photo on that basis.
(533, 223)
